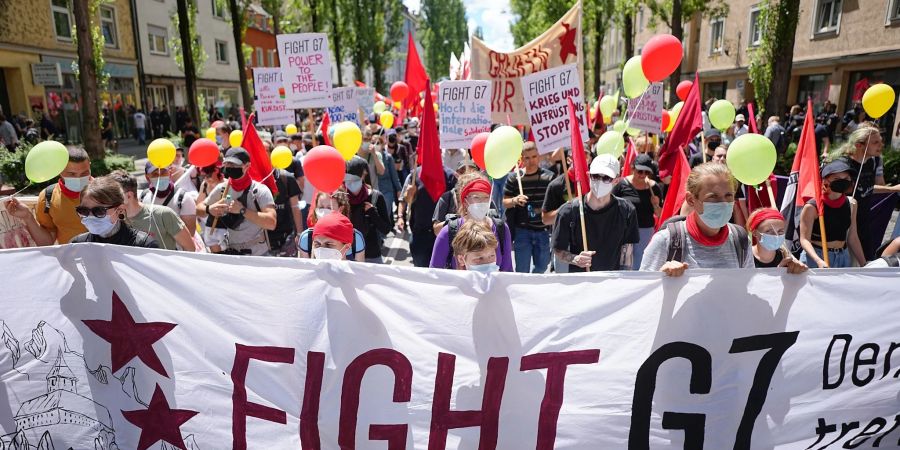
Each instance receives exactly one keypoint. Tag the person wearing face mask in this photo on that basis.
(713, 140)
(332, 237)
(475, 248)
(704, 239)
(644, 193)
(368, 210)
(766, 226)
(610, 222)
(159, 222)
(102, 211)
(323, 205)
(399, 150)
(840, 221)
(388, 180)
(162, 191)
(223, 134)
(212, 177)
(245, 212)
(474, 205)
(531, 237)
(422, 209)
(54, 219)
(447, 205)
(558, 195)
(189, 133)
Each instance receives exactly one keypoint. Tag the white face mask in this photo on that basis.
(76, 184)
(484, 268)
(322, 212)
(479, 210)
(353, 183)
(328, 253)
(600, 189)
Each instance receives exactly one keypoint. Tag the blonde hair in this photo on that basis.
(461, 182)
(695, 179)
(473, 236)
(860, 135)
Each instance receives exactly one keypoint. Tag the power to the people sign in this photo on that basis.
(306, 69)
(108, 347)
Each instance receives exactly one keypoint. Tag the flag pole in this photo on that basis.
(703, 144)
(565, 166)
(224, 194)
(519, 171)
(312, 126)
(584, 243)
(824, 239)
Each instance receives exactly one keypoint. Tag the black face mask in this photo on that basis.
(233, 172)
(392, 139)
(840, 186)
(712, 145)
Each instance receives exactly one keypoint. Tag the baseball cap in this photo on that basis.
(643, 162)
(712, 132)
(605, 164)
(836, 166)
(466, 163)
(740, 118)
(414, 122)
(237, 155)
(335, 226)
(280, 136)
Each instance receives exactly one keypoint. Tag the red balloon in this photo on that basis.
(478, 148)
(665, 120)
(324, 168)
(203, 152)
(661, 56)
(683, 89)
(399, 91)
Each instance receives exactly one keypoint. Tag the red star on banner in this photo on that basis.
(159, 422)
(129, 339)
(567, 43)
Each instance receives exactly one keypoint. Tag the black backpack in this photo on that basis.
(453, 224)
(678, 239)
(231, 220)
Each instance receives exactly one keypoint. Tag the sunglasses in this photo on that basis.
(603, 178)
(643, 172)
(97, 211)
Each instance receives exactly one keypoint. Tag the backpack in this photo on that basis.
(48, 198)
(178, 194)
(678, 239)
(453, 227)
(230, 220)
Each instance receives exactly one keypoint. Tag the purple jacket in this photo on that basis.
(442, 250)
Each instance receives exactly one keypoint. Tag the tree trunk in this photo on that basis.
(628, 31)
(276, 18)
(187, 55)
(677, 31)
(599, 31)
(237, 25)
(87, 80)
(314, 15)
(338, 51)
(788, 12)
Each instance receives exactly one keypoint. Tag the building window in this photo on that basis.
(108, 26)
(815, 87)
(62, 19)
(271, 58)
(221, 52)
(260, 61)
(715, 89)
(716, 35)
(755, 27)
(156, 39)
(218, 9)
(894, 13)
(828, 16)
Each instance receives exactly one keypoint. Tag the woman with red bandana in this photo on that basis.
(767, 226)
(840, 221)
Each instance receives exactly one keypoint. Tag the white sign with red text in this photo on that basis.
(270, 95)
(546, 93)
(645, 111)
(306, 67)
(465, 111)
(344, 106)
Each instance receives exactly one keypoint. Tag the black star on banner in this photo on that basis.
(129, 339)
(159, 422)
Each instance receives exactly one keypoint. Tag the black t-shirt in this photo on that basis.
(287, 188)
(556, 194)
(640, 198)
(534, 186)
(866, 185)
(372, 223)
(296, 168)
(126, 236)
(445, 205)
(774, 263)
(188, 138)
(608, 229)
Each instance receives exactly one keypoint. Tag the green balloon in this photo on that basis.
(633, 131)
(611, 142)
(379, 107)
(751, 158)
(46, 160)
(607, 105)
(721, 114)
(502, 151)
(633, 80)
(620, 126)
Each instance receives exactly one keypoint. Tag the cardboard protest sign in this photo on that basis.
(344, 105)
(270, 95)
(306, 69)
(548, 111)
(645, 111)
(560, 44)
(365, 98)
(13, 233)
(465, 110)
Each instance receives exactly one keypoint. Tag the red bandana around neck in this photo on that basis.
(836, 203)
(693, 229)
(65, 191)
(360, 197)
(242, 183)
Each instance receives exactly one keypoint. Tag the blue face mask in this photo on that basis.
(484, 268)
(161, 184)
(100, 226)
(76, 184)
(716, 215)
(771, 242)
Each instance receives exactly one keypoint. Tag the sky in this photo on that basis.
(493, 16)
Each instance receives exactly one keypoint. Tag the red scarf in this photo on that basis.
(65, 191)
(836, 203)
(360, 197)
(571, 174)
(242, 183)
(693, 229)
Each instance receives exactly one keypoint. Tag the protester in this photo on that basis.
(475, 248)
(448, 203)
(720, 155)
(740, 126)
(389, 180)
(474, 204)
(223, 137)
(288, 223)
(644, 193)
(767, 227)
(245, 211)
(704, 239)
(840, 221)
(531, 237)
(368, 210)
(713, 140)
(54, 218)
(189, 133)
(417, 211)
(558, 194)
(162, 191)
(323, 205)
(889, 256)
(212, 177)
(102, 211)
(776, 133)
(332, 237)
(140, 126)
(159, 222)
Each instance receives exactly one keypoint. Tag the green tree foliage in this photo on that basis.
(598, 16)
(533, 17)
(771, 62)
(197, 51)
(444, 30)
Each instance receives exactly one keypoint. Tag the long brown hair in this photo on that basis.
(340, 196)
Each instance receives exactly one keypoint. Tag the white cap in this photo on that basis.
(739, 118)
(605, 164)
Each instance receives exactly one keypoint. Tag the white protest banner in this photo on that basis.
(109, 347)
(306, 67)
(548, 110)
(270, 109)
(465, 110)
(645, 111)
(344, 106)
(13, 232)
(365, 98)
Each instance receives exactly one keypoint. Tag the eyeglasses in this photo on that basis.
(603, 178)
(97, 211)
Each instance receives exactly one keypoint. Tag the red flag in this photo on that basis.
(260, 164)
(326, 121)
(578, 160)
(677, 189)
(687, 125)
(360, 84)
(752, 118)
(432, 171)
(416, 77)
(630, 154)
(806, 163)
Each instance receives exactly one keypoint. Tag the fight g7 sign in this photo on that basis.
(465, 110)
(306, 69)
(546, 95)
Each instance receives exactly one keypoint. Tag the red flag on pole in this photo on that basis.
(677, 189)
(326, 121)
(753, 127)
(578, 160)
(416, 77)
(630, 154)
(687, 125)
(260, 164)
(432, 168)
(806, 164)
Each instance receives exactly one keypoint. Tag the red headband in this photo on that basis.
(762, 216)
(335, 226)
(478, 185)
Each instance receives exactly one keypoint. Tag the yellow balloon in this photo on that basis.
(673, 115)
(236, 138)
(347, 139)
(878, 100)
(386, 119)
(290, 129)
(435, 106)
(211, 134)
(281, 157)
(397, 105)
(161, 153)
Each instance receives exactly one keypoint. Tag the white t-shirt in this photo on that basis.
(696, 255)
(247, 235)
(140, 120)
(188, 202)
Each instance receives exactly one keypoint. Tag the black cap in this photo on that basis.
(466, 163)
(643, 161)
(356, 166)
(279, 136)
(836, 166)
(237, 155)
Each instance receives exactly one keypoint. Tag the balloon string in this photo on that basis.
(636, 106)
(861, 164)
(16, 193)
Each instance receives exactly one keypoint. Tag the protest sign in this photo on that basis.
(344, 106)
(117, 349)
(13, 233)
(365, 98)
(465, 110)
(306, 69)
(560, 44)
(270, 95)
(645, 111)
(548, 110)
